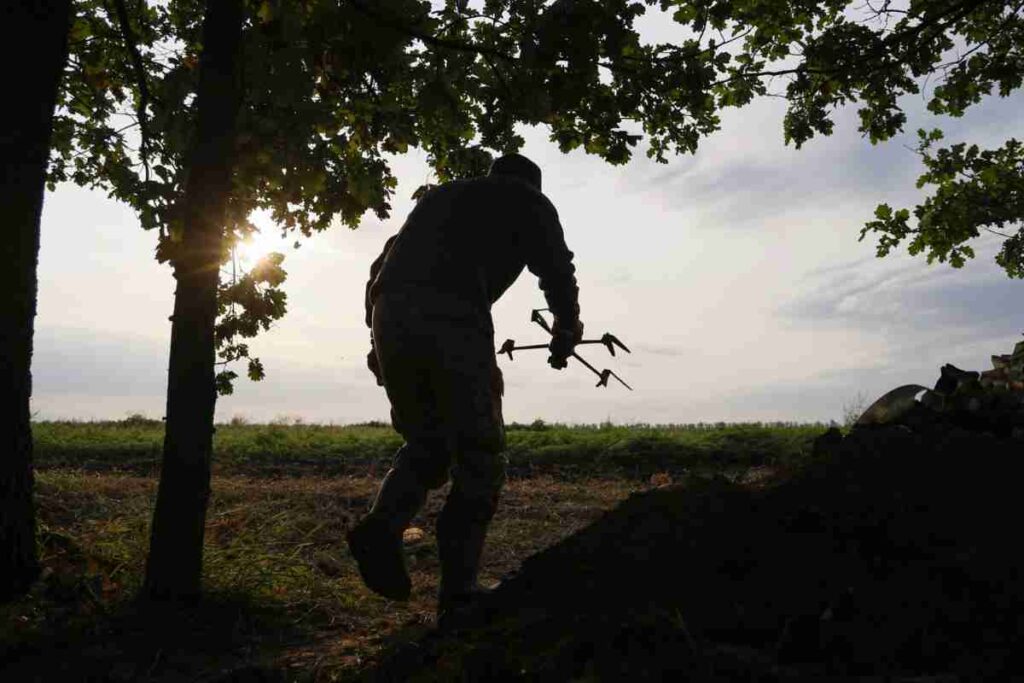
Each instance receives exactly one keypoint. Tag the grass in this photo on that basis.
(639, 450)
(283, 596)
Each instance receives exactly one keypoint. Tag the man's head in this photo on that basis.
(517, 166)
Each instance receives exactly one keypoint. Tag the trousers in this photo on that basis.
(438, 365)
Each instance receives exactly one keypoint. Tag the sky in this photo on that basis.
(735, 275)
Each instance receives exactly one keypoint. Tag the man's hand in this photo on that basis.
(563, 343)
(374, 365)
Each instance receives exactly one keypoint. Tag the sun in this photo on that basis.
(266, 240)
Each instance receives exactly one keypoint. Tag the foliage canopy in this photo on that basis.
(834, 52)
(332, 88)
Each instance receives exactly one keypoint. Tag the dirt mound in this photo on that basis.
(895, 552)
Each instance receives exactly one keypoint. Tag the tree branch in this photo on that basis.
(427, 38)
(140, 76)
(987, 42)
(954, 12)
(497, 74)
(678, 54)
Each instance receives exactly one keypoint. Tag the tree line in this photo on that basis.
(197, 112)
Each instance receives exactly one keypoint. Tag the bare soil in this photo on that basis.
(895, 553)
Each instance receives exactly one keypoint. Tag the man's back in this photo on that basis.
(472, 238)
(428, 302)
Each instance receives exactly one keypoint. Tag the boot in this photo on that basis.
(461, 530)
(376, 541)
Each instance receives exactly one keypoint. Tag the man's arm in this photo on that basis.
(371, 358)
(374, 271)
(550, 260)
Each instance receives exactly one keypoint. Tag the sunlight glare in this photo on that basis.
(259, 244)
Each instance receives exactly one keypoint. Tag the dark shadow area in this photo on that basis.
(73, 627)
(892, 553)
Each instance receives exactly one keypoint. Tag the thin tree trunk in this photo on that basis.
(24, 152)
(174, 565)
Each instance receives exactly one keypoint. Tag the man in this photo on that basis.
(428, 304)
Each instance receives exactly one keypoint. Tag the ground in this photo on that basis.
(283, 599)
(891, 555)
(760, 553)
(271, 543)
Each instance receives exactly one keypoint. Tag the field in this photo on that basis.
(283, 599)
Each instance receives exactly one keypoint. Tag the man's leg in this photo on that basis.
(477, 476)
(376, 541)
(407, 364)
(463, 523)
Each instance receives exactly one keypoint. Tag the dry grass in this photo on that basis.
(283, 597)
(275, 564)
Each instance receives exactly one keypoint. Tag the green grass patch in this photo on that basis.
(273, 449)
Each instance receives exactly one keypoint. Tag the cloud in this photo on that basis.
(829, 395)
(343, 393)
(745, 173)
(978, 300)
(88, 375)
(660, 350)
(786, 321)
(922, 317)
(733, 187)
(618, 276)
(76, 360)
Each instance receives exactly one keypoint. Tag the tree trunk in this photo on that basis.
(174, 565)
(24, 152)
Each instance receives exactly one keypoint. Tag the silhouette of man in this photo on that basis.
(428, 303)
